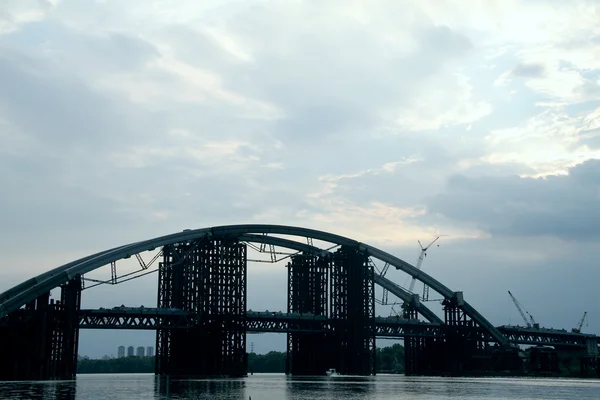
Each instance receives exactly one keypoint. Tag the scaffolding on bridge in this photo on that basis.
(353, 311)
(308, 283)
(42, 337)
(207, 278)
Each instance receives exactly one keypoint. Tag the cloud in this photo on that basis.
(439, 106)
(548, 143)
(559, 206)
(59, 110)
(17, 12)
(528, 70)
(315, 79)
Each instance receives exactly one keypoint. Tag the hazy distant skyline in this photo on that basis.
(385, 121)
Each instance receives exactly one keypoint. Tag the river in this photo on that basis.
(280, 387)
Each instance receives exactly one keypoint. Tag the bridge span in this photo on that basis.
(280, 322)
(255, 321)
(202, 319)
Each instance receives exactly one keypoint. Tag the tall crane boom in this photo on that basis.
(529, 322)
(420, 262)
(580, 324)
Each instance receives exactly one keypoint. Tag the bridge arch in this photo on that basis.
(21, 294)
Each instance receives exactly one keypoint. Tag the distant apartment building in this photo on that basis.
(130, 351)
(121, 352)
(149, 351)
(140, 351)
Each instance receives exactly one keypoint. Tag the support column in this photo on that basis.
(208, 278)
(413, 346)
(464, 348)
(65, 340)
(40, 340)
(353, 312)
(307, 294)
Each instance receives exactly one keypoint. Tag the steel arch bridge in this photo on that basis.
(29, 290)
(465, 322)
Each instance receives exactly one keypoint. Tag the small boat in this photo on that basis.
(332, 372)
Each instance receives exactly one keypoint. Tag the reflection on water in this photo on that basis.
(339, 387)
(166, 388)
(38, 390)
(278, 386)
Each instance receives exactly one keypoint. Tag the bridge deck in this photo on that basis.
(256, 321)
(267, 321)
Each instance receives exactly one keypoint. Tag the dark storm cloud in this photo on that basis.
(562, 206)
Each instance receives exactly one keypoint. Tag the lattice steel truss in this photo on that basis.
(207, 278)
(65, 339)
(461, 347)
(307, 294)
(413, 346)
(353, 311)
(42, 337)
(464, 344)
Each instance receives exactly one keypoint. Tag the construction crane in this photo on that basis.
(420, 262)
(530, 322)
(580, 324)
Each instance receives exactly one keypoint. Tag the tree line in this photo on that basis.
(123, 365)
(388, 360)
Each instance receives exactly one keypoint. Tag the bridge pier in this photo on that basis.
(419, 352)
(40, 340)
(461, 350)
(208, 278)
(350, 346)
(462, 343)
(353, 312)
(590, 362)
(308, 283)
(590, 366)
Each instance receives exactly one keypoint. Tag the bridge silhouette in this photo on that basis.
(201, 318)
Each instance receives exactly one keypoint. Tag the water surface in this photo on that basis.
(278, 386)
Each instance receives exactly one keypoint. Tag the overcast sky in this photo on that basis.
(385, 121)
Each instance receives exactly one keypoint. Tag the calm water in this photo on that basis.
(276, 386)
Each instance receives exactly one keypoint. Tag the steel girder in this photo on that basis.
(543, 336)
(135, 319)
(151, 319)
(261, 321)
(401, 327)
